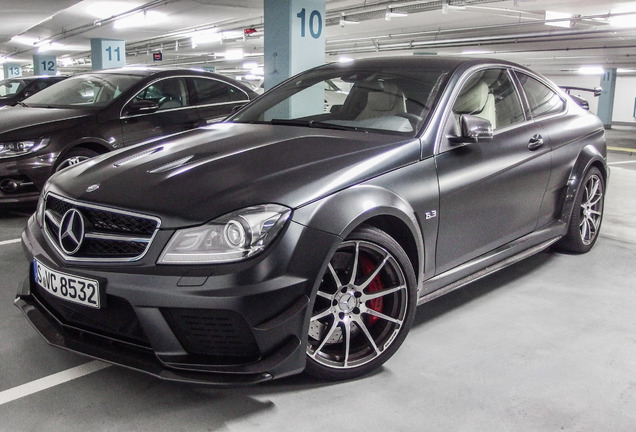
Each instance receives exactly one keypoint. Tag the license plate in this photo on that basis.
(66, 286)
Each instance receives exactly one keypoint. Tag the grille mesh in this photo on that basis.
(221, 335)
(109, 234)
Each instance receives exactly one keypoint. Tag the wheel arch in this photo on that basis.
(590, 156)
(343, 212)
(88, 145)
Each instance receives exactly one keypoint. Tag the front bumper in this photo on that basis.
(21, 179)
(240, 324)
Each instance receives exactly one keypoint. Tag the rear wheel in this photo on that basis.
(587, 215)
(364, 307)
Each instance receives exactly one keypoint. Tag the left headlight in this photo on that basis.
(233, 237)
(10, 149)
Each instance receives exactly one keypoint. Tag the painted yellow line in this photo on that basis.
(622, 149)
(51, 381)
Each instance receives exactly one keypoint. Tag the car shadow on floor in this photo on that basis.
(424, 314)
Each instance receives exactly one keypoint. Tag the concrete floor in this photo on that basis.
(545, 345)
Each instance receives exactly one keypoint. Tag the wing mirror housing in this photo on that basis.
(142, 106)
(473, 130)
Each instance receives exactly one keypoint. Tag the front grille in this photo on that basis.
(222, 336)
(106, 234)
(117, 321)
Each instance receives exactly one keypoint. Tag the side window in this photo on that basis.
(210, 91)
(491, 95)
(168, 93)
(542, 99)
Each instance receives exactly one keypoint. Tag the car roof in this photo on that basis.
(423, 62)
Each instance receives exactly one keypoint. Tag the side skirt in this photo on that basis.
(489, 263)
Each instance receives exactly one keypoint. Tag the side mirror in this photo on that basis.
(473, 129)
(141, 107)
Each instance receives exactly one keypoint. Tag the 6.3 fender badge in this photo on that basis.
(92, 188)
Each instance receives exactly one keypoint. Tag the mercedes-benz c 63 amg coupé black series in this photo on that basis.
(289, 238)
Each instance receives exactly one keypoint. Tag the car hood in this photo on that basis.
(195, 176)
(13, 119)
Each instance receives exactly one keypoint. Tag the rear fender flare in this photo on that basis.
(589, 156)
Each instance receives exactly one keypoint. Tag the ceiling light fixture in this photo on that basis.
(558, 19)
(591, 70)
(626, 19)
(390, 13)
(25, 40)
(236, 54)
(345, 21)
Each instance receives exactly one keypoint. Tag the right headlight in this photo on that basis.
(233, 237)
(10, 149)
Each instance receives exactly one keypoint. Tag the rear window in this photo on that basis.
(542, 99)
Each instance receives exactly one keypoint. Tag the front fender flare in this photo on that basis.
(343, 212)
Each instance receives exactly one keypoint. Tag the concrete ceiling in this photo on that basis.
(599, 33)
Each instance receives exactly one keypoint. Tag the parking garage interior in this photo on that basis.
(546, 344)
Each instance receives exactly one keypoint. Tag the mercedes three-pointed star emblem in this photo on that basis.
(71, 233)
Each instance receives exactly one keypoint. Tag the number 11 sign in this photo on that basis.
(108, 53)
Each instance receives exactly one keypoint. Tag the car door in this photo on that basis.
(490, 191)
(172, 111)
(215, 99)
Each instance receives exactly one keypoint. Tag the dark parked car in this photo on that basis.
(15, 90)
(93, 113)
(289, 239)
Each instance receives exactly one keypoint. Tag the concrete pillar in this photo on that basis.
(108, 53)
(12, 70)
(294, 38)
(44, 64)
(606, 99)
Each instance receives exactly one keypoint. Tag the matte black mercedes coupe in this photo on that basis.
(289, 238)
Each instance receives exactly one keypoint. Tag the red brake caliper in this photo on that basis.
(376, 285)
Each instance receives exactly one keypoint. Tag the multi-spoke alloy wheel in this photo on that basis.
(74, 157)
(364, 306)
(587, 216)
(591, 209)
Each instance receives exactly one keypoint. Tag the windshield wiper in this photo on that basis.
(23, 104)
(314, 124)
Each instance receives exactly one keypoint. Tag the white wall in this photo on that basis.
(624, 100)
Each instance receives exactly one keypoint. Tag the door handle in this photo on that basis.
(535, 142)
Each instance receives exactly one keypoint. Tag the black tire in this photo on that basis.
(364, 307)
(74, 157)
(587, 214)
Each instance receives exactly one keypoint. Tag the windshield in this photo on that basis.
(9, 87)
(86, 90)
(395, 101)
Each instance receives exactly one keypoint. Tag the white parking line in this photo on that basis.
(27, 389)
(622, 162)
(6, 242)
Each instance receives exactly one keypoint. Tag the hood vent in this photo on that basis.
(137, 156)
(172, 165)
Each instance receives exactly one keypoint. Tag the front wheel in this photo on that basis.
(74, 157)
(364, 307)
(587, 215)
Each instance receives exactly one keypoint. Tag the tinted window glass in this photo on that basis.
(94, 89)
(542, 99)
(167, 93)
(210, 91)
(491, 95)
